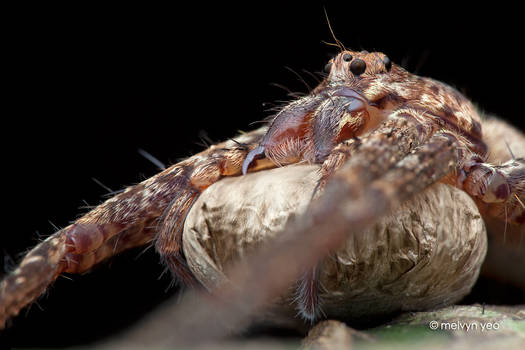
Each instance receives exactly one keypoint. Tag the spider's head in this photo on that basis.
(341, 107)
(352, 66)
(362, 71)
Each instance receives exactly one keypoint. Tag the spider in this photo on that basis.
(378, 131)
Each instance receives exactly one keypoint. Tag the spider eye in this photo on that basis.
(358, 66)
(387, 62)
(347, 57)
(327, 67)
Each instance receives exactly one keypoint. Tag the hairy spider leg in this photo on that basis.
(131, 218)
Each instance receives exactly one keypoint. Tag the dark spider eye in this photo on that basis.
(327, 67)
(347, 57)
(388, 63)
(358, 66)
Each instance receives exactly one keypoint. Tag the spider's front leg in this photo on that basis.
(153, 209)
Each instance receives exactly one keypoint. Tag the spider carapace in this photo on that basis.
(366, 108)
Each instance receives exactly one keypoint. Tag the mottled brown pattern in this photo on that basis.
(381, 133)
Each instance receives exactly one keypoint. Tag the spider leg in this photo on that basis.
(372, 158)
(496, 180)
(124, 221)
(40, 267)
(500, 187)
(169, 239)
(339, 155)
(203, 173)
(132, 237)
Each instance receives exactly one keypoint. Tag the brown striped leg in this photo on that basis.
(133, 237)
(123, 221)
(54, 256)
(374, 155)
(40, 267)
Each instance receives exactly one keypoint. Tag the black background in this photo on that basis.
(84, 88)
